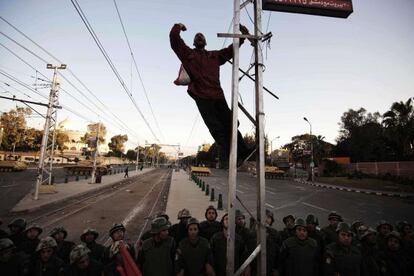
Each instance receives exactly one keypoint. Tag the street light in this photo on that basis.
(312, 165)
(271, 150)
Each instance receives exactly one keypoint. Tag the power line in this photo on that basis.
(136, 68)
(60, 74)
(124, 126)
(110, 63)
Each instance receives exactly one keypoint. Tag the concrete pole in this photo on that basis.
(231, 202)
(312, 164)
(136, 167)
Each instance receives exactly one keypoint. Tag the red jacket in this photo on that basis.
(202, 66)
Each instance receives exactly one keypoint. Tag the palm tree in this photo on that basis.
(399, 123)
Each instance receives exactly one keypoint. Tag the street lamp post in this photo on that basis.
(271, 150)
(312, 164)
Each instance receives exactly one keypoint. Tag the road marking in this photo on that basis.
(316, 207)
(240, 191)
(273, 193)
(8, 186)
(271, 206)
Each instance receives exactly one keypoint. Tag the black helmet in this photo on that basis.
(34, 226)
(239, 214)
(311, 219)
(18, 222)
(384, 222)
(270, 215)
(115, 227)
(287, 217)
(158, 225)
(299, 222)
(344, 227)
(211, 207)
(56, 230)
(193, 221)
(393, 234)
(335, 215)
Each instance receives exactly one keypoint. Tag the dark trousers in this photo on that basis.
(218, 118)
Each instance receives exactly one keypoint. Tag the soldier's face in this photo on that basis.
(240, 221)
(83, 263)
(164, 234)
(290, 223)
(118, 235)
(269, 221)
(393, 244)
(226, 222)
(211, 215)
(45, 254)
(384, 229)
(32, 234)
(89, 238)
(407, 230)
(59, 236)
(345, 238)
(301, 233)
(334, 222)
(192, 231)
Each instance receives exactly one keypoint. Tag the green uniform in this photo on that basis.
(342, 260)
(192, 257)
(329, 234)
(299, 257)
(394, 263)
(97, 250)
(369, 266)
(157, 258)
(208, 229)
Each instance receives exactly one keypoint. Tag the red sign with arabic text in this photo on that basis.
(333, 8)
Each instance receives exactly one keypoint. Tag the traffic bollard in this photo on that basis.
(66, 179)
(86, 176)
(220, 202)
(208, 190)
(53, 180)
(77, 177)
(212, 194)
(203, 186)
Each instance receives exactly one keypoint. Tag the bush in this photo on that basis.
(331, 168)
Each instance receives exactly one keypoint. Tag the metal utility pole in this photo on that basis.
(95, 154)
(312, 164)
(44, 174)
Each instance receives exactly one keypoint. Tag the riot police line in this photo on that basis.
(190, 247)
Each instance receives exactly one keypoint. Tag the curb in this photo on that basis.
(377, 193)
(71, 197)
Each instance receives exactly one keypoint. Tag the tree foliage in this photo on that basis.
(14, 126)
(117, 144)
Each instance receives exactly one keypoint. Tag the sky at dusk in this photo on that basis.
(318, 66)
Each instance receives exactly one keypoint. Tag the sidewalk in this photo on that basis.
(356, 190)
(70, 190)
(184, 193)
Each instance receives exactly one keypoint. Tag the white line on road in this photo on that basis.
(271, 206)
(316, 207)
(273, 193)
(240, 191)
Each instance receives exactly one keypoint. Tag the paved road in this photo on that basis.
(15, 185)
(287, 197)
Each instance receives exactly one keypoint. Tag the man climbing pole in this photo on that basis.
(203, 68)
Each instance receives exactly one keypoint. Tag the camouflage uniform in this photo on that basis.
(369, 251)
(329, 232)
(17, 237)
(179, 230)
(53, 266)
(94, 268)
(28, 246)
(394, 262)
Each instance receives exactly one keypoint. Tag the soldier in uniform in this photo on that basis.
(31, 239)
(341, 257)
(383, 229)
(117, 234)
(63, 246)
(11, 263)
(81, 264)
(288, 231)
(299, 255)
(393, 262)
(156, 255)
(47, 263)
(329, 231)
(312, 223)
(218, 245)
(193, 253)
(179, 230)
(3, 234)
(369, 251)
(210, 226)
(17, 227)
(272, 257)
(96, 250)
(147, 234)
